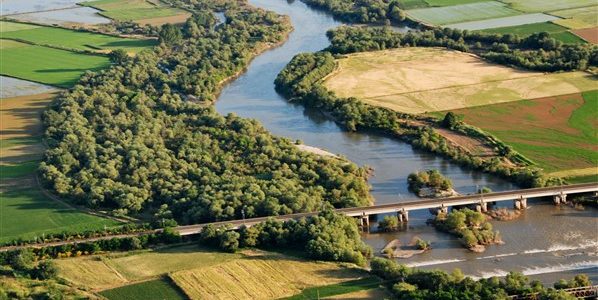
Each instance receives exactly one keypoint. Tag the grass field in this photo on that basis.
(27, 213)
(510, 21)
(46, 65)
(362, 284)
(556, 31)
(153, 289)
(462, 13)
(71, 39)
(141, 11)
(557, 133)
(258, 278)
(544, 6)
(418, 80)
(577, 18)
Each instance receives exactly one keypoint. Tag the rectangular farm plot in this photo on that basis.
(545, 6)
(76, 40)
(511, 21)
(142, 11)
(418, 80)
(47, 65)
(558, 133)
(462, 13)
(557, 32)
(588, 34)
(577, 18)
(153, 289)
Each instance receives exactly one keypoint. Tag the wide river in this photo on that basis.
(547, 242)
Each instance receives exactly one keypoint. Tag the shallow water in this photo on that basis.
(541, 232)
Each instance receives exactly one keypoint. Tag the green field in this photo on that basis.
(413, 4)
(47, 65)
(546, 6)
(556, 31)
(70, 39)
(127, 10)
(577, 18)
(462, 13)
(12, 26)
(337, 289)
(18, 170)
(557, 133)
(27, 213)
(153, 289)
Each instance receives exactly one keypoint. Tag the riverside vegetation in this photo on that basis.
(430, 183)
(143, 137)
(471, 227)
(301, 80)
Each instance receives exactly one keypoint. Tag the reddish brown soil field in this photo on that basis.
(588, 34)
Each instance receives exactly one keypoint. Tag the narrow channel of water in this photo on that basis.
(545, 240)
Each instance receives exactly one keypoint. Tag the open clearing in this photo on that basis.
(71, 39)
(46, 65)
(141, 11)
(544, 6)
(339, 289)
(462, 13)
(258, 278)
(558, 133)
(153, 289)
(418, 80)
(577, 18)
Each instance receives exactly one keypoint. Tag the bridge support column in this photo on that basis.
(364, 222)
(481, 207)
(520, 204)
(558, 199)
(443, 210)
(403, 216)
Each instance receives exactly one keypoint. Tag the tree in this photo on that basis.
(170, 34)
(45, 270)
(229, 241)
(451, 120)
(118, 56)
(389, 223)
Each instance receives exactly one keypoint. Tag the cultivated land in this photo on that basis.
(543, 5)
(557, 133)
(418, 80)
(204, 274)
(46, 65)
(462, 13)
(70, 39)
(588, 34)
(141, 11)
(556, 31)
(577, 18)
(511, 21)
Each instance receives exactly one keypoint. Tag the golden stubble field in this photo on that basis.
(419, 80)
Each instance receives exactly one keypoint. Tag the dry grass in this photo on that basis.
(257, 278)
(418, 80)
(91, 272)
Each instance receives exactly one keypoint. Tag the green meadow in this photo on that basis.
(71, 39)
(124, 10)
(346, 287)
(462, 13)
(556, 31)
(47, 65)
(153, 289)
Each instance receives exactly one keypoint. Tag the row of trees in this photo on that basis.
(538, 51)
(142, 136)
(300, 81)
(327, 236)
(414, 284)
(362, 11)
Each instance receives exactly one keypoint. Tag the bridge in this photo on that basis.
(480, 201)
(584, 292)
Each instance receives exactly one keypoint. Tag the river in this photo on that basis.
(548, 242)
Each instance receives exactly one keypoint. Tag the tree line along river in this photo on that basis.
(547, 242)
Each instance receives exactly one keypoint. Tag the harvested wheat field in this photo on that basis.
(259, 278)
(89, 272)
(418, 80)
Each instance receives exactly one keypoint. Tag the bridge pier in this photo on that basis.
(481, 207)
(520, 203)
(364, 222)
(403, 215)
(558, 199)
(442, 210)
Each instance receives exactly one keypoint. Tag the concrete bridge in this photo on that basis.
(480, 201)
(584, 292)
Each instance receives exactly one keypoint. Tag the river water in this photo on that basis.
(545, 240)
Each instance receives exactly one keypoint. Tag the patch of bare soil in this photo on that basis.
(588, 34)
